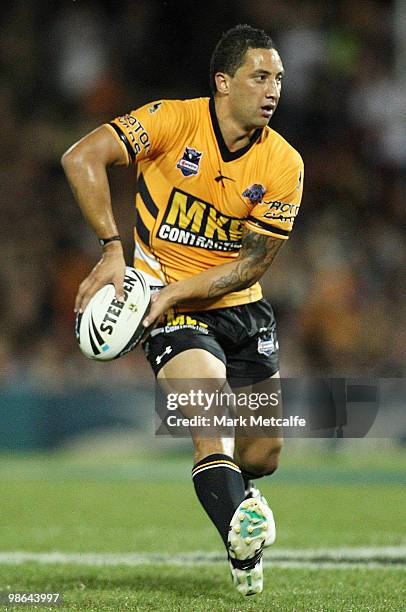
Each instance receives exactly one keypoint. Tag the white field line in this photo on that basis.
(319, 558)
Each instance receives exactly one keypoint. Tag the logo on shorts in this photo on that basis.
(267, 345)
(185, 322)
(255, 193)
(167, 351)
(189, 163)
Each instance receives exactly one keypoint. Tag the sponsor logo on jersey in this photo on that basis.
(196, 223)
(281, 211)
(153, 109)
(189, 163)
(138, 135)
(255, 193)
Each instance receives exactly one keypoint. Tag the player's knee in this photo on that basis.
(262, 461)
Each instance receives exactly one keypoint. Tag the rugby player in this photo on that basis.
(218, 191)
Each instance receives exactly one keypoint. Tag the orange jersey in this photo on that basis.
(195, 196)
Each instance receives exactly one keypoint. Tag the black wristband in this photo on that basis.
(104, 241)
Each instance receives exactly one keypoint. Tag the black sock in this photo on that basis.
(248, 478)
(220, 489)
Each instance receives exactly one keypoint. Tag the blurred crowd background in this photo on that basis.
(337, 288)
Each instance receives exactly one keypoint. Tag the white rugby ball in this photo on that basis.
(107, 328)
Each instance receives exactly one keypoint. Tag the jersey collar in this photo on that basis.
(226, 154)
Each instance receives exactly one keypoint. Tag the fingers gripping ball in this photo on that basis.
(108, 328)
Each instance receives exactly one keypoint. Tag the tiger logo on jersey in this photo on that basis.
(255, 193)
(189, 163)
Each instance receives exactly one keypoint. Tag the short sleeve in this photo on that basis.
(275, 214)
(149, 130)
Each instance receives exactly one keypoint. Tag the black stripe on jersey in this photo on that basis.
(142, 230)
(146, 196)
(124, 139)
(269, 228)
(226, 154)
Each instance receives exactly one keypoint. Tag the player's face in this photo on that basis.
(255, 89)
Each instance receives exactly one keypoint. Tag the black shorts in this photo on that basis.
(243, 337)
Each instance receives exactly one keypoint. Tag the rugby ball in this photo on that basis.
(108, 328)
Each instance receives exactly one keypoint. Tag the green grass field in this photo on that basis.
(146, 544)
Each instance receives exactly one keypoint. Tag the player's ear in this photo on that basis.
(222, 82)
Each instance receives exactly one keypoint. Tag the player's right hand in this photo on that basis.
(110, 269)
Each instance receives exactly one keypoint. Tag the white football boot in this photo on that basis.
(246, 538)
(253, 493)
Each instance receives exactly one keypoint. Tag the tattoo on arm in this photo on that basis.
(256, 255)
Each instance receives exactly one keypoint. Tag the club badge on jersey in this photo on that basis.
(255, 193)
(189, 163)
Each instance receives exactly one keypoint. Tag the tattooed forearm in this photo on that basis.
(256, 255)
(230, 281)
(254, 246)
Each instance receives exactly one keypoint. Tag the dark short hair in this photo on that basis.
(230, 51)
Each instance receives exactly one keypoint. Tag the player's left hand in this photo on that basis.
(160, 303)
